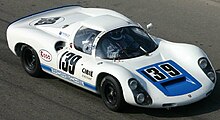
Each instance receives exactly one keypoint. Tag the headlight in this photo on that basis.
(203, 63)
(140, 98)
(133, 84)
(211, 75)
(207, 68)
(140, 94)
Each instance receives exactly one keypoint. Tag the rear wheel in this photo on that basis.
(30, 61)
(111, 93)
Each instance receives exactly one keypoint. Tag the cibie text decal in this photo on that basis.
(45, 55)
(87, 72)
(68, 62)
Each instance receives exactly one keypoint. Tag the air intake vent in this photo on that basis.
(172, 82)
(59, 45)
(179, 86)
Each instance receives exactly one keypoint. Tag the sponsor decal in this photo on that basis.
(68, 77)
(63, 34)
(45, 55)
(87, 72)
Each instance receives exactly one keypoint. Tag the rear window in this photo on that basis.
(84, 39)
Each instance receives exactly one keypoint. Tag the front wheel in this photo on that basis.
(111, 93)
(30, 61)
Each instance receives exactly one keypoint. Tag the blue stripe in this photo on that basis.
(47, 68)
(42, 12)
(68, 77)
(89, 86)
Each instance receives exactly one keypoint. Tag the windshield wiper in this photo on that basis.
(146, 53)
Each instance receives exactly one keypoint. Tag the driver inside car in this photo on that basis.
(117, 43)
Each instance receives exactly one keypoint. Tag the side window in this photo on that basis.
(84, 39)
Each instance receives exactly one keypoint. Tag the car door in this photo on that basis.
(75, 62)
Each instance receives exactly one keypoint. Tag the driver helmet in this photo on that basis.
(117, 34)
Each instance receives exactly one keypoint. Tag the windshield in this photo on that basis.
(124, 43)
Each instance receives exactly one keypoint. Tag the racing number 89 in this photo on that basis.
(158, 75)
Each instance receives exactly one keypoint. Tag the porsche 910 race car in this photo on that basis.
(107, 53)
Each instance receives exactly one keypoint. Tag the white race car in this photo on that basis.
(107, 53)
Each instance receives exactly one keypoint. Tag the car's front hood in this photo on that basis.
(162, 71)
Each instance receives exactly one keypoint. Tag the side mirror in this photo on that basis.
(149, 26)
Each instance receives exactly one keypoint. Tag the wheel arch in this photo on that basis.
(30, 64)
(18, 48)
(122, 75)
(100, 78)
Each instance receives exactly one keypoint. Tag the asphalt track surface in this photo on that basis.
(23, 97)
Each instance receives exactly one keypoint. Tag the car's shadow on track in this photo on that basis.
(207, 105)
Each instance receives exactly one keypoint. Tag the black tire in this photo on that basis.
(30, 61)
(112, 95)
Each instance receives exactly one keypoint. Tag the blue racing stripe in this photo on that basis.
(68, 77)
(90, 86)
(47, 68)
(43, 12)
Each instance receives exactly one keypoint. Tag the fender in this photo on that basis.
(122, 75)
(181, 52)
(31, 37)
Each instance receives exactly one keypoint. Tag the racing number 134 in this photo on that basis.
(68, 62)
